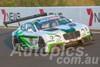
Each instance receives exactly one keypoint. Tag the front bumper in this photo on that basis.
(66, 43)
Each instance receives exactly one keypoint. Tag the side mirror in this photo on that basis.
(71, 20)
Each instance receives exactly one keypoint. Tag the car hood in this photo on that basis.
(71, 27)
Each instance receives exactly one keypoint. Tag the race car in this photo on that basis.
(41, 30)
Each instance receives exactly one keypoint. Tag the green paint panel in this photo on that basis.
(26, 42)
(51, 33)
(20, 32)
(86, 36)
(91, 38)
(21, 48)
(69, 30)
(5, 25)
(27, 36)
(35, 47)
(49, 47)
(33, 23)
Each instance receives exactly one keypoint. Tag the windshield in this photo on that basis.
(51, 22)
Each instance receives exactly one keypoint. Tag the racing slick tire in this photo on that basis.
(41, 44)
(87, 41)
(16, 45)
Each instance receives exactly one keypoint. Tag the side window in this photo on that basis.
(30, 26)
(23, 27)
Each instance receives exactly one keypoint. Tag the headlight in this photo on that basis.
(86, 29)
(83, 31)
(51, 37)
(57, 38)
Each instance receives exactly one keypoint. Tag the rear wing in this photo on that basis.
(24, 18)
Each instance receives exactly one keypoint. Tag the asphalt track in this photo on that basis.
(7, 61)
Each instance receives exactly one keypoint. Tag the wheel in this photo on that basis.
(16, 45)
(86, 41)
(41, 44)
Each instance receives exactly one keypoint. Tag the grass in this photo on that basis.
(36, 3)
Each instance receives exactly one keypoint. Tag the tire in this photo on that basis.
(41, 44)
(16, 45)
(87, 41)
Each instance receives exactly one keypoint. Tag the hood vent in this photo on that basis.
(72, 24)
(51, 29)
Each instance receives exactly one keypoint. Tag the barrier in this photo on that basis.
(86, 15)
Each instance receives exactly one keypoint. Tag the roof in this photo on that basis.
(40, 18)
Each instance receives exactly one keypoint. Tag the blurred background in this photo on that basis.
(36, 3)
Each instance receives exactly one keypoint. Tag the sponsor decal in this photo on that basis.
(90, 12)
(41, 11)
(50, 13)
(4, 13)
(45, 20)
(94, 15)
(10, 15)
(52, 18)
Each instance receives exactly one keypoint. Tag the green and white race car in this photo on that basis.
(49, 31)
